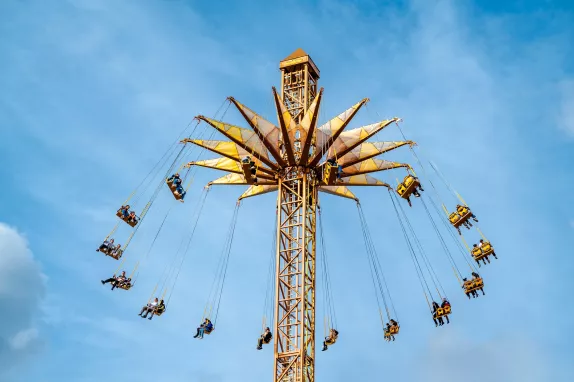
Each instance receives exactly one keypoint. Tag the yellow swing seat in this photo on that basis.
(441, 312)
(479, 253)
(159, 311)
(125, 286)
(473, 285)
(173, 188)
(456, 219)
(394, 329)
(330, 341)
(407, 187)
(129, 222)
(330, 173)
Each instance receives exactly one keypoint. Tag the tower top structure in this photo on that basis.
(299, 77)
(299, 56)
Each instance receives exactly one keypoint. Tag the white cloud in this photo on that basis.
(23, 338)
(22, 287)
(566, 113)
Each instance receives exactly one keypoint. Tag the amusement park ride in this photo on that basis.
(300, 159)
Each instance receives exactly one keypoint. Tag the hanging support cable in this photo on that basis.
(214, 301)
(376, 270)
(420, 274)
(201, 203)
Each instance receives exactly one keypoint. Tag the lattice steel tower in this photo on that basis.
(296, 261)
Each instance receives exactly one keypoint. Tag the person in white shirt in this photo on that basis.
(149, 308)
(106, 246)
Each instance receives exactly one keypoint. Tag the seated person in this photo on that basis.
(444, 304)
(333, 163)
(435, 307)
(149, 308)
(125, 211)
(392, 327)
(160, 308)
(388, 332)
(205, 327)
(115, 280)
(174, 179)
(132, 218)
(420, 188)
(115, 251)
(125, 283)
(106, 246)
(264, 339)
(484, 259)
(466, 286)
(330, 339)
(179, 189)
(481, 243)
(475, 276)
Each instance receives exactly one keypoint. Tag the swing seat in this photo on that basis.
(249, 177)
(115, 255)
(330, 341)
(487, 248)
(125, 286)
(462, 210)
(205, 331)
(330, 173)
(478, 283)
(159, 311)
(473, 285)
(478, 253)
(394, 330)
(105, 250)
(131, 223)
(441, 312)
(408, 186)
(457, 219)
(173, 188)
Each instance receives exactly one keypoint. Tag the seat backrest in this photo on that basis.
(401, 188)
(409, 179)
(486, 247)
(454, 217)
(462, 210)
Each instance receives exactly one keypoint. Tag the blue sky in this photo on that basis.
(93, 92)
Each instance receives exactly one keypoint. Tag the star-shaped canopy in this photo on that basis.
(257, 156)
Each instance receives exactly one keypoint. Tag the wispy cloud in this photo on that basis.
(22, 287)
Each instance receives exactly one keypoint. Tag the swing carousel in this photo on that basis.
(299, 159)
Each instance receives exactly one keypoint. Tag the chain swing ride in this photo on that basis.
(299, 159)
